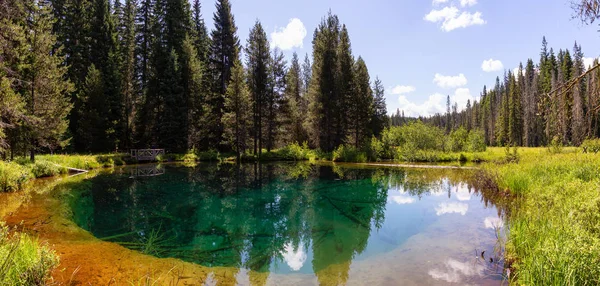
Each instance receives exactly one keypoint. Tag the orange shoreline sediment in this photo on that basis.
(85, 259)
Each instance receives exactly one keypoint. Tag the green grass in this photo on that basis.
(555, 232)
(23, 260)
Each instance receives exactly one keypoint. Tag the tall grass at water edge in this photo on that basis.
(555, 232)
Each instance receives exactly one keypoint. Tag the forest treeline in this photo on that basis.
(101, 75)
(540, 104)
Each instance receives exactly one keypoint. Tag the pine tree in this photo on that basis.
(257, 61)
(514, 105)
(127, 59)
(144, 23)
(274, 100)
(72, 28)
(11, 103)
(448, 115)
(363, 105)
(91, 96)
(295, 104)
(46, 91)
(224, 51)
(105, 57)
(202, 41)
(172, 124)
(578, 125)
(195, 89)
(236, 118)
(306, 75)
(346, 89)
(379, 120)
(323, 92)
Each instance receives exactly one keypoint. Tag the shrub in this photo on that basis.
(22, 260)
(511, 156)
(13, 176)
(349, 154)
(376, 150)
(457, 140)
(555, 146)
(591, 145)
(42, 169)
(190, 157)
(105, 160)
(423, 136)
(210, 155)
(295, 152)
(476, 141)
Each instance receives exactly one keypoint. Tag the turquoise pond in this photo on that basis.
(313, 224)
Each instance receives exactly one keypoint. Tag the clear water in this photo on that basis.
(300, 223)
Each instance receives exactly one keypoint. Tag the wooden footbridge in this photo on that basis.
(147, 171)
(146, 154)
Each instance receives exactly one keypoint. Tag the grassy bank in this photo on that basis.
(23, 260)
(555, 232)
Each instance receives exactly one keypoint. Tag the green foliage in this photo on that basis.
(420, 142)
(556, 146)
(46, 169)
(511, 156)
(554, 231)
(476, 141)
(190, 157)
(23, 261)
(349, 154)
(296, 152)
(210, 155)
(236, 120)
(84, 162)
(457, 140)
(13, 176)
(110, 160)
(591, 146)
(376, 149)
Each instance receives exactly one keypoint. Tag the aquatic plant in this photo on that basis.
(23, 260)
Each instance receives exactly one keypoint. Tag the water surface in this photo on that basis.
(302, 224)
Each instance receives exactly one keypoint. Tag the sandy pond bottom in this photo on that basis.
(277, 224)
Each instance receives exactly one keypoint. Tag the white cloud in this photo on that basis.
(461, 96)
(452, 19)
(454, 271)
(492, 65)
(493, 222)
(516, 72)
(462, 193)
(435, 103)
(465, 19)
(441, 15)
(294, 259)
(292, 36)
(467, 2)
(588, 62)
(449, 208)
(402, 89)
(449, 81)
(401, 200)
(437, 2)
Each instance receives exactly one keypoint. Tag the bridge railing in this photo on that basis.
(147, 154)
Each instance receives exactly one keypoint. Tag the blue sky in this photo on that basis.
(424, 50)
